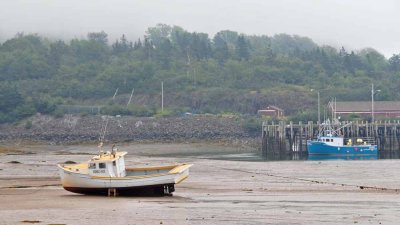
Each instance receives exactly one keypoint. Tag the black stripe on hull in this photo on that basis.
(151, 190)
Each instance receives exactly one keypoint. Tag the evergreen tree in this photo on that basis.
(99, 37)
(242, 48)
(221, 51)
(394, 62)
(122, 45)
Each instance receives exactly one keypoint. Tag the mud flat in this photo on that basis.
(217, 191)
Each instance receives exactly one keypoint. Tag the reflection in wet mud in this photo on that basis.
(302, 156)
(261, 156)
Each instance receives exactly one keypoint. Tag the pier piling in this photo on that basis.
(282, 138)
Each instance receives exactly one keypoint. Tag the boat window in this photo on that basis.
(114, 163)
(92, 166)
(102, 165)
(331, 140)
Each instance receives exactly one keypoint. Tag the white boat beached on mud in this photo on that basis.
(106, 174)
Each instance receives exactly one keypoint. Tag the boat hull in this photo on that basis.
(157, 183)
(320, 148)
(128, 191)
(320, 157)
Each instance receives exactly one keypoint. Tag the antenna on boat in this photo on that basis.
(100, 146)
(102, 135)
(114, 150)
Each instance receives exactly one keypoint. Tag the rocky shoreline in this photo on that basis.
(78, 129)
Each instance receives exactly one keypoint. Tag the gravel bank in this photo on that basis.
(72, 128)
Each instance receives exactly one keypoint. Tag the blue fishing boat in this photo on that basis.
(330, 143)
(341, 157)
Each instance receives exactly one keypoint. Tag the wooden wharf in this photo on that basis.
(286, 137)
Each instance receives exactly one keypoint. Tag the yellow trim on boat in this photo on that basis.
(152, 168)
(73, 167)
(129, 177)
(107, 156)
(182, 179)
(177, 169)
(180, 168)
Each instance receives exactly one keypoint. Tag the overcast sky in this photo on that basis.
(354, 24)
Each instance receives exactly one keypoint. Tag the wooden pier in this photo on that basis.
(286, 138)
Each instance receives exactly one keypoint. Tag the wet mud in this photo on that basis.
(218, 191)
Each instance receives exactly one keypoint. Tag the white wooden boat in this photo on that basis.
(106, 174)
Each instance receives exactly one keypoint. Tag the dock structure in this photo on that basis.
(282, 137)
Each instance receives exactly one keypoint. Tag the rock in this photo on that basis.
(73, 128)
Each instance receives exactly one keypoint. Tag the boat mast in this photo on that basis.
(102, 135)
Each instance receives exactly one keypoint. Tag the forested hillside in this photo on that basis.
(229, 72)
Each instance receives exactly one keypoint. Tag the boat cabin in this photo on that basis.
(107, 164)
(331, 140)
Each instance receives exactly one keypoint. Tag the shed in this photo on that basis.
(272, 111)
(364, 108)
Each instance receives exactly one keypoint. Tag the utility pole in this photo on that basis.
(130, 98)
(373, 92)
(115, 93)
(372, 103)
(319, 106)
(162, 96)
(319, 110)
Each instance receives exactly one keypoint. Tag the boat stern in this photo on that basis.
(181, 172)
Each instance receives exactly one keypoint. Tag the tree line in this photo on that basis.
(229, 72)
